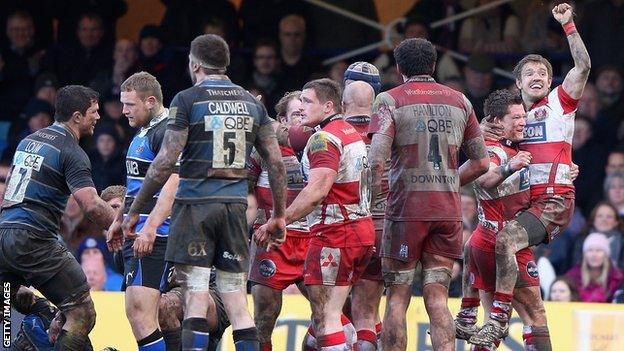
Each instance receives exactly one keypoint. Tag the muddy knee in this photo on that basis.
(170, 310)
(82, 316)
(512, 238)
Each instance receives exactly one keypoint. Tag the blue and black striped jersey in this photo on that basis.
(222, 120)
(47, 167)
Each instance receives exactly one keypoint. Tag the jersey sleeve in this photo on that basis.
(568, 103)
(472, 125)
(264, 115)
(76, 168)
(323, 152)
(382, 120)
(178, 113)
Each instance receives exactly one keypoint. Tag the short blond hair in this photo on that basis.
(113, 192)
(145, 85)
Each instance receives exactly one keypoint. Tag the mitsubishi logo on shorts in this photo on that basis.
(329, 261)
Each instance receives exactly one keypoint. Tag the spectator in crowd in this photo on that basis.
(107, 160)
(434, 10)
(615, 162)
(495, 31)
(162, 63)
(266, 75)
(297, 65)
(95, 271)
(80, 63)
(596, 277)
(563, 289)
(604, 219)
(184, 20)
(46, 86)
(469, 209)
(125, 63)
(336, 71)
(20, 61)
(542, 33)
(609, 86)
(42, 13)
(69, 14)
(479, 81)
(260, 18)
(614, 191)
(37, 114)
(94, 249)
(589, 104)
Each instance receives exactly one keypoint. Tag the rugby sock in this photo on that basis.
(332, 342)
(153, 342)
(246, 339)
(501, 308)
(266, 346)
(349, 330)
(469, 309)
(366, 340)
(309, 340)
(194, 334)
(378, 330)
(536, 338)
(68, 341)
(172, 339)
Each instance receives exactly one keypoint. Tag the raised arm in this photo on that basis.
(575, 80)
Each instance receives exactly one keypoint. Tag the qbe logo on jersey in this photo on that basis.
(535, 132)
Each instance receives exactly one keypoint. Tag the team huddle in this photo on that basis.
(354, 188)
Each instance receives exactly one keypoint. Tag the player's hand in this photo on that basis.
(276, 226)
(144, 243)
(129, 226)
(563, 13)
(521, 160)
(261, 236)
(114, 236)
(492, 131)
(574, 171)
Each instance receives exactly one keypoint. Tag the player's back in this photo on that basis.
(45, 166)
(428, 122)
(222, 120)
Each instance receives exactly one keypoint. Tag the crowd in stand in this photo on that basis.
(279, 45)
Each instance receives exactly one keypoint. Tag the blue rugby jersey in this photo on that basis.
(47, 167)
(142, 151)
(222, 120)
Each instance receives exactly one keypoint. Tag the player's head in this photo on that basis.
(415, 57)
(363, 71)
(506, 107)
(77, 106)
(141, 97)
(209, 54)
(357, 99)
(533, 77)
(320, 99)
(114, 195)
(288, 108)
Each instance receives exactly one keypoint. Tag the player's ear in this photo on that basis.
(76, 116)
(519, 85)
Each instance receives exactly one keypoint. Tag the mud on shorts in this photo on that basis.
(482, 269)
(30, 258)
(373, 269)
(552, 211)
(149, 271)
(281, 267)
(407, 240)
(335, 266)
(209, 234)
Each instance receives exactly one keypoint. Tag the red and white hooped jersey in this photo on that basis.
(548, 137)
(258, 169)
(343, 218)
(498, 205)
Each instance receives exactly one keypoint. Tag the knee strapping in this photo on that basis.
(231, 282)
(438, 275)
(193, 278)
(399, 277)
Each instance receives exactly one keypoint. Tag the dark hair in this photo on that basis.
(144, 84)
(21, 15)
(211, 50)
(72, 98)
(415, 56)
(574, 292)
(282, 105)
(266, 42)
(92, 16)
(517, 71)
(498, 102)
(326, 90)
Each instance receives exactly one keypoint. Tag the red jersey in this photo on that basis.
(502, 203)
(258, 170)
(428, 123)
(343, 219)
(548, 137)
(361, 125)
